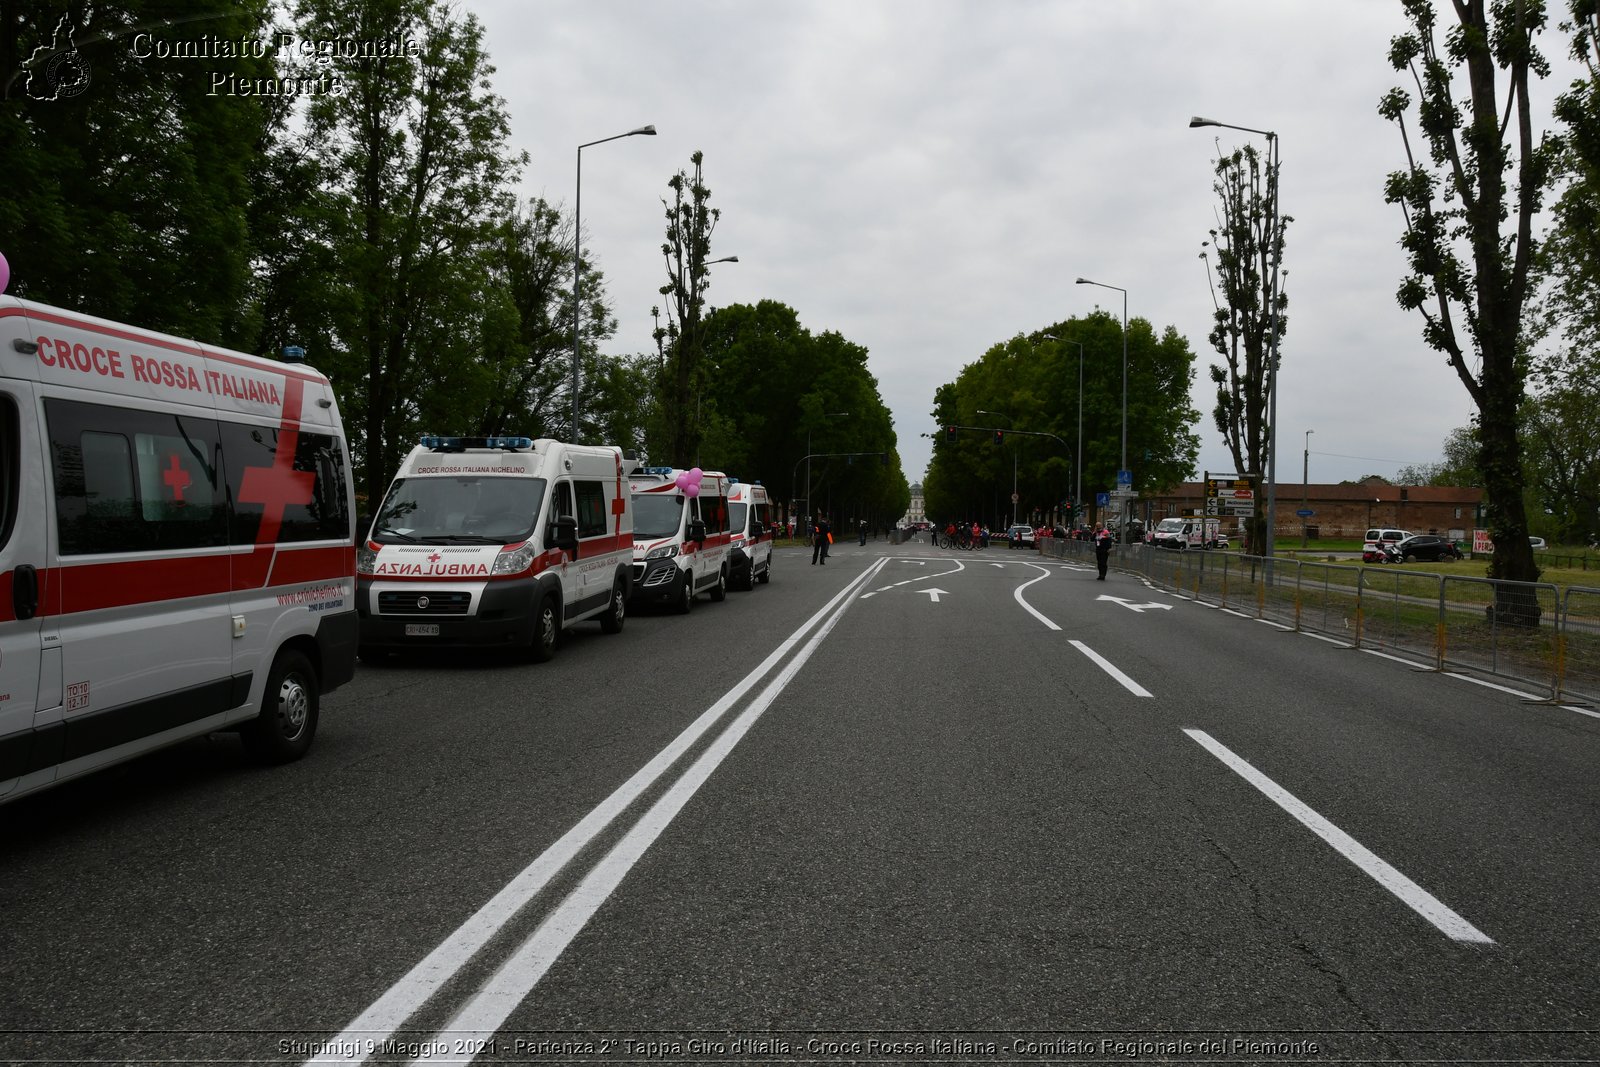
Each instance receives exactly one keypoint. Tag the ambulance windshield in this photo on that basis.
(468, 510)
(656, 515)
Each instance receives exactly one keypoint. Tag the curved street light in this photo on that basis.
(577, 263)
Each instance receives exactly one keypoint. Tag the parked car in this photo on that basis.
(1429, 548)
(1020, 536)
(1537, 543)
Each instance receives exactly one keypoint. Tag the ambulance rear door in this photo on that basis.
(24, 588)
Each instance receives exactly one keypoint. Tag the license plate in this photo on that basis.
(422, 629)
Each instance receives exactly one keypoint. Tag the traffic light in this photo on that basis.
(999, 437)
(950, 434)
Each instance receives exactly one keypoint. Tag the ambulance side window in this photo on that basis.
(714, 513)
(133, 481)
(10, 468)
(593, 514)
(305, 495)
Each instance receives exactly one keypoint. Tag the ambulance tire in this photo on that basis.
(611, 622)
(289, 709)
(546, 630)
(686, 594)
(766, 572)
(719, 592)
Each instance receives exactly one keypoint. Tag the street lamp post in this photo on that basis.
(1124, 465)
(577, 264)
(810, 508)
(1008, 418)
(1077, 487)
(1305, 491)
(1274, 158)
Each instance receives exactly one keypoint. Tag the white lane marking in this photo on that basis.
(1396, 659)
(1106, 665)
(1136, 608)
(934, 593)
(379, 1022)
(1581, 711)
(1276, 625)
(1491, 685)
(1414, 896)
(1240, 614)
(1331, 640)
(487, 1012)
(1016, 594)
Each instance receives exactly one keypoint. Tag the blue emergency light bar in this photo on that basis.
(663, 471)
(457, 443)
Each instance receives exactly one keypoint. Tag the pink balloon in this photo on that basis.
(689, 482)
(5, 272)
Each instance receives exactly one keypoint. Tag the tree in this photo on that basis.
(415, 187)
(1249, 245)
(690, 222)
(1464, 265)
(1032, 381)
(128, 194)
(1564, 456)
(1459, 467)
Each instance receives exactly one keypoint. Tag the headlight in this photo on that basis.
(515, 561)
(662, 552)
(366, 560)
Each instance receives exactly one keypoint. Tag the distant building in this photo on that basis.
(1341, 511)
(916, 512)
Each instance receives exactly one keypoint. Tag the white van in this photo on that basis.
(497, 542)
(176, 523)
(750, 548)
(680, 543)
(1188, 531)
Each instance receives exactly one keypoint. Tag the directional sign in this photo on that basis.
(1124, 479)
(1305, 513)
(934, 593)
(1131, 606)
(1102, 499)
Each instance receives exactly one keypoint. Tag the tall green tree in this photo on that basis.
(128, 193)
(1031, 382)
(691, 220)
(1248, 242)
(1459, 467)
(414, 184)
(1569, 260)
(1469, 231)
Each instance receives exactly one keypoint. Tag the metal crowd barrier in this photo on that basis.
(1530, 632)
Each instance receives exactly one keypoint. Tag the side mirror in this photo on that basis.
(758, 529)
(563, 534)
(697, 531)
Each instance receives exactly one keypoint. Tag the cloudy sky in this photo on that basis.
(928, 177)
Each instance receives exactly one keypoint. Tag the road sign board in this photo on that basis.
(1015, 498)
(1124, 478)
(1102, 499)
(1305, 513)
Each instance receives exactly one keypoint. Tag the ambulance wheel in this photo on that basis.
(766, 573)
(288, 719)
(719, 592)
(686, 593)
(546, 630)
(611, 622)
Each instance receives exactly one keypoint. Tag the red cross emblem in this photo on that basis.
(277, 487)
(435, 558)
(176, 478)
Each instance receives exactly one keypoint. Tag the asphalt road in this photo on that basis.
(914, 806)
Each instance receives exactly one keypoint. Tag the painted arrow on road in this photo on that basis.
(1131, 606)
(935, 593)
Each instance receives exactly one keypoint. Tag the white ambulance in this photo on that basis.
(499, 542)
(680, 542)
(750, 548)
(176, 529)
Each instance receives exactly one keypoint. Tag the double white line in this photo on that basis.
(488, 1010)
